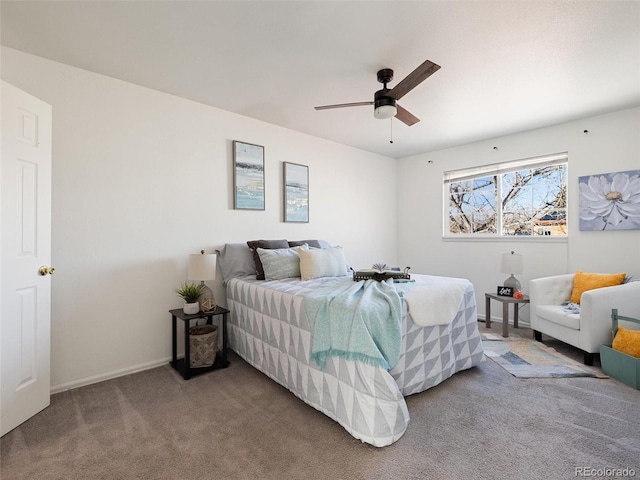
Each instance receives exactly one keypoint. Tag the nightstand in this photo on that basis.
(505, 310)
(183, 365)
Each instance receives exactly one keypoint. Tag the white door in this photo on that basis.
(25, 247)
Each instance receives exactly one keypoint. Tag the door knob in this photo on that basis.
(46, 270)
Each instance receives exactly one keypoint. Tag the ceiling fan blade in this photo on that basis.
(414, 79)
(405, 117)
(342, 105)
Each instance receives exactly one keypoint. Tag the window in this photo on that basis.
(524, 197)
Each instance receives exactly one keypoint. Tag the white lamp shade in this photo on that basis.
(385, 111)
(512, 263)
(202, 267)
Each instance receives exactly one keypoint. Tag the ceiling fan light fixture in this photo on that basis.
(384, 107)
(385, 111)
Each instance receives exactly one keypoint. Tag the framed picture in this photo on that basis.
(296, 193)
(607, 201)
(505, 291)
(248, 176)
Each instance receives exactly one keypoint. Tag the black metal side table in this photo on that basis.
(183, 366)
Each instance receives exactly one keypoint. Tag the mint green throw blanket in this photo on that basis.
(356, 320)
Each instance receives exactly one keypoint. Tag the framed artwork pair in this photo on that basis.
(249, 184)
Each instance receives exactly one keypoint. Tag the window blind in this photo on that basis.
(505, 167)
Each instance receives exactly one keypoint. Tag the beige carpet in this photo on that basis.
(236, 423)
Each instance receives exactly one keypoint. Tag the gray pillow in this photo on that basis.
(236, 260)
(299, 243)
(279, 263)
(266, 244)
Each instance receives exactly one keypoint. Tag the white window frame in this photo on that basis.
(499, 169)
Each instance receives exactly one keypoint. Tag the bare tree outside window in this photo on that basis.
(473, 206)
(529, 201)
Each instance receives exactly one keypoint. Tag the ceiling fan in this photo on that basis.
(384, 102)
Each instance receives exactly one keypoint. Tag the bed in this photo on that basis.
(270, 329)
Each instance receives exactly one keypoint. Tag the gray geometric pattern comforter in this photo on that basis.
(268, 328)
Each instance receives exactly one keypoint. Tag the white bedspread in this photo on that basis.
(433, 300)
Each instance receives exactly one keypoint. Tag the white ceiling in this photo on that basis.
(507, 66)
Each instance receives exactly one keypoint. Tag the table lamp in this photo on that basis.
(511, 264)
(202, 267)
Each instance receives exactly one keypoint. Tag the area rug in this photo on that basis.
(524, 358)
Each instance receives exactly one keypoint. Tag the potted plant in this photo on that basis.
(190, 293)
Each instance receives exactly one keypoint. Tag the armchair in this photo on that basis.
(589, 328)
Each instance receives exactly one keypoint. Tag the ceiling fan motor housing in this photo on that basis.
(384, 106)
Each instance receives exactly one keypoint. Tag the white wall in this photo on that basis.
(612, 144)
(140, 180)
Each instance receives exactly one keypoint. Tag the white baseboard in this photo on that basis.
(62, 387)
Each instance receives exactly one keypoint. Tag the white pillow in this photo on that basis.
(326, 262)
(281, 263)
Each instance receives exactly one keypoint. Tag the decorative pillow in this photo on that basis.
(298, 243)
(281, 263)
(627, 341)
(326, 262)
(266, 244)
(583, 282)
(236, 260)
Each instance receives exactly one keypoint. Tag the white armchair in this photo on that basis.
(591, 327)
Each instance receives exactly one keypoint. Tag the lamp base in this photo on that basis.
(207, 301)
(513, 282)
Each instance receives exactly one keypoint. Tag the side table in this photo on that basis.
(505, 310)
(183, 366)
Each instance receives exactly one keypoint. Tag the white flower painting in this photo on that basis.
(610, 201)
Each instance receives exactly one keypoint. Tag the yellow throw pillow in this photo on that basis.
(588, 281)
(627, 341)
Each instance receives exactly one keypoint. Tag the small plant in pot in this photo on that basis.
(190, 293)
